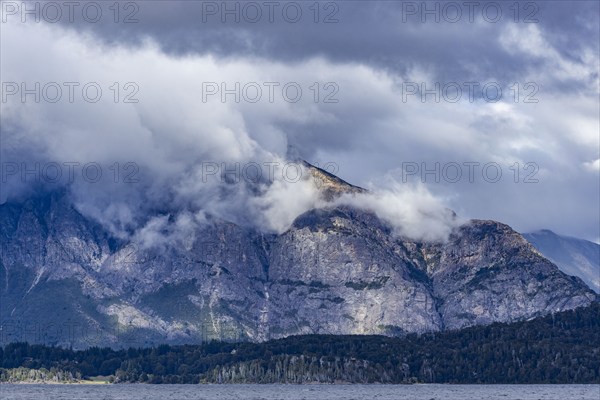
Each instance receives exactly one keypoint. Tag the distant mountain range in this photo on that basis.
(576, 257)
(337, 270)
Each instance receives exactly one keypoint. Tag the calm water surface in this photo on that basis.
(293, 392)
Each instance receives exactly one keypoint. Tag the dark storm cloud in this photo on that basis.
(370, 133)
(386, 34)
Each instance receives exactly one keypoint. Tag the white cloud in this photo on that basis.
(528, 40)
(369, 132)
(410, 209)
(592, 166)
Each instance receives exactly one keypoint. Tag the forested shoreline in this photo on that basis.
(559, 348)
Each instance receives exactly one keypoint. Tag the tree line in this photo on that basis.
(558, 348)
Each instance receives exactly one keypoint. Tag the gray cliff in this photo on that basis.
(337, 270)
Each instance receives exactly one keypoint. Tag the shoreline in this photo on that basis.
(101, 383)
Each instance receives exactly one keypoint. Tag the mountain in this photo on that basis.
(329, 185)
(337, 270)
(576, 257)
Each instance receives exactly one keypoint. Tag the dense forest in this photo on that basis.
(559, 348)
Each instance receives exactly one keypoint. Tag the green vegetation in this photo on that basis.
(559, 348)
(53, 375)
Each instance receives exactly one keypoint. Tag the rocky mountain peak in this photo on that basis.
(330, 186)
(336, 270)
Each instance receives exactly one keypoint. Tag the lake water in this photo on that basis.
(299, 392)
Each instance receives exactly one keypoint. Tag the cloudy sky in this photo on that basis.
(488, 108)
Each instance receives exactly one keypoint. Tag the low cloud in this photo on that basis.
(153, 152)
(411, 210)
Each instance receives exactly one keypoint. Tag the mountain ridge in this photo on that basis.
(574, 256)
(337, 270)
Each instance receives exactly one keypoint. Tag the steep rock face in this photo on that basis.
(576, 257)
(210, 285)
(49, 254)
(340, 271)
(487, 272)
(329, 185)
(64, 280)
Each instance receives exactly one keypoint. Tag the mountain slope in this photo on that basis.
(576, 257)
(487, 272)
(561, 348)
(336, 270)
(330, 185)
